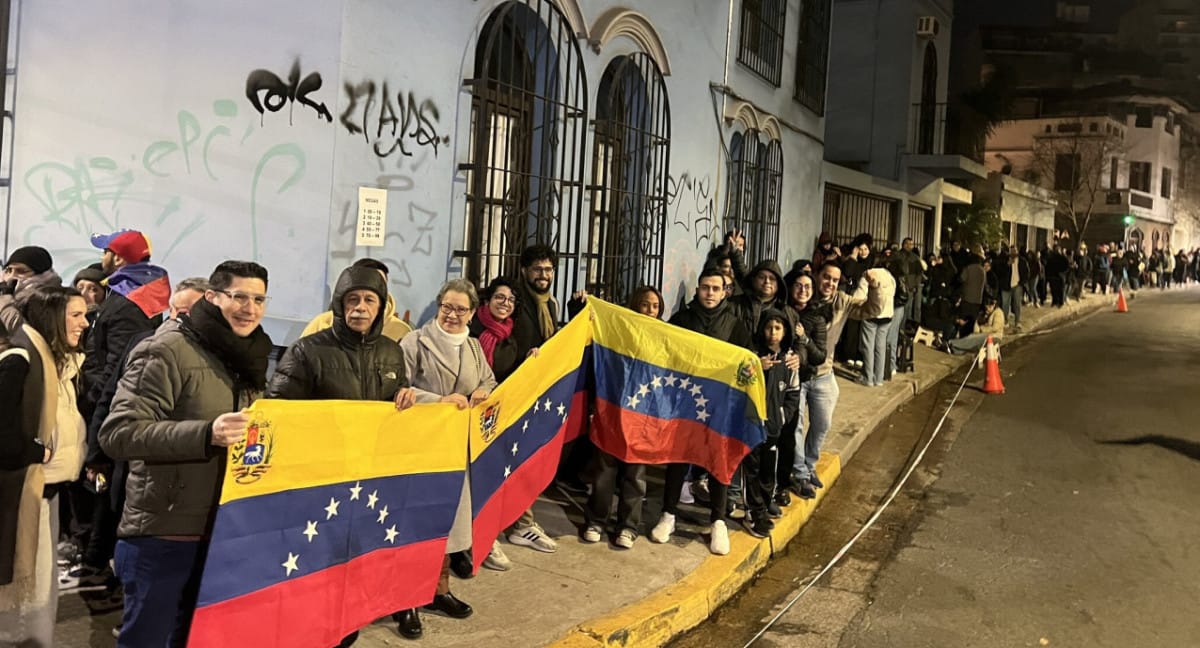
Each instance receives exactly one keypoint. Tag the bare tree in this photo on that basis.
(1073, 161)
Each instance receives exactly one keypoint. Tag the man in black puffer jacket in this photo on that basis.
(351, 360)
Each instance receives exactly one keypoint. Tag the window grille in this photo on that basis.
(813, 54)
(630, 152)
(528, 128)
(920, 227)
(761, 40)
(755, 193)
(850, 213)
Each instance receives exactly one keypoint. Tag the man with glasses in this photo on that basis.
(535, 321)
(27, 269)
(394, 328)
(171, 419)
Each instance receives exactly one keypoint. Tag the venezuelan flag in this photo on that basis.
(146, 285)
(332, 514)
(668, 395)
(517, 435)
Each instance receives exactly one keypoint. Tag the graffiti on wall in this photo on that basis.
(391, 122)
(691, 205)
(269, 93)
(91, 193)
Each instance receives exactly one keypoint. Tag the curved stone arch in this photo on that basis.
(620, 21)
(743, 112)
(574, 15)
(770, 127)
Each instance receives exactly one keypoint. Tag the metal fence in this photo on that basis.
(848, 213)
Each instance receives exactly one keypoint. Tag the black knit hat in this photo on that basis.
(37, 258)
(93, 273)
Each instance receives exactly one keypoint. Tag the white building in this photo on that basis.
(1133, 185)
(889, 173)
(630, 136)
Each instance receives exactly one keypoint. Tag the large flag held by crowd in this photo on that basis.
(335, 513)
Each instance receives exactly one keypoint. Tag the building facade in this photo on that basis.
(629, 136)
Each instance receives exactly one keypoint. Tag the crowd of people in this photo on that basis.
(124, 393)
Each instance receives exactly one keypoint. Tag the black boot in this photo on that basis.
(460, 564)
(408, 622)
(450, 606)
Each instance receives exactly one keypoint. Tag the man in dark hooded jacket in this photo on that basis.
(708, 314)
(351, 360)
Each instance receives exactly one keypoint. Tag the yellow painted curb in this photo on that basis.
(671, 611)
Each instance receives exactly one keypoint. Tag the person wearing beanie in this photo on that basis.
(90, 283)
(27, 269)
(138, 293)
(394, 328)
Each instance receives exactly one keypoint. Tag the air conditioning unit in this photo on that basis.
(927, 27)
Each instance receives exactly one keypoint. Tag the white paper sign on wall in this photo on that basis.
(372, 216)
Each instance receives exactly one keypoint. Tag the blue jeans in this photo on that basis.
(820, 394)
(873, 344)
(161, 580)
(968, 344)
(893, 343)
(1010, 305)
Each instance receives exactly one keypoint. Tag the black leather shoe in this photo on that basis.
(450, 606)
(348, 640)
(816, 483)
(460, 564)
(408, 622)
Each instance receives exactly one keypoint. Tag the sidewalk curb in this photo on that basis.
(675, 609)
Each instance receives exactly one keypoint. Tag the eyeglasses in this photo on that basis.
(542, 270)
(245, 299)
(511, 299)
(451, 309)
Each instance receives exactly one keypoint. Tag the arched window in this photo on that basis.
(528, 112)
(928, 140)
(755, 193)
(629, 174)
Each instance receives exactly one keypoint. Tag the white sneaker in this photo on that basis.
(625, 539)
(534, 538)
(685, 494)
(592, 534)
(719, 542)
(496, 560)
(662, 531)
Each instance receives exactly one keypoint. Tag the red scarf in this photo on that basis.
(493, 332)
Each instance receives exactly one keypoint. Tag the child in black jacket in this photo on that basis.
(774, 342)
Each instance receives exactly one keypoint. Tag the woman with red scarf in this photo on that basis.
(493, 327)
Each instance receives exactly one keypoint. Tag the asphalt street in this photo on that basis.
(1062, 513)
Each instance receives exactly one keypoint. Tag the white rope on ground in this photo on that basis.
(874, 516)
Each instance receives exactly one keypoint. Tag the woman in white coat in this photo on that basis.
(55, 319)
(445, 364)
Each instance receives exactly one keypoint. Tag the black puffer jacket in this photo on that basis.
(338, 363)
(749, 308)
(720, 323)
(815, 319)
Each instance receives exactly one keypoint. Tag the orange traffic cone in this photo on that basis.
(991, 381)
(1121, 306)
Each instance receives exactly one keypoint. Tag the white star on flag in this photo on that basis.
(633, 401)
(656, 382)
(355, 490)
(514, 449)
(644, 390)
(524, 427)
(383, 513)
(548, 404)
(702, 416)
(701, 402)
(670, 380)
(331, 510)
(507, 471)
(391, 534)
(290, 563)
(695, 390)
(562, 409)
(536, 405)
(310, 530)
(685, 382)
(372, 498)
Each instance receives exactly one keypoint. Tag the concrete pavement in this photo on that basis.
(597, 595)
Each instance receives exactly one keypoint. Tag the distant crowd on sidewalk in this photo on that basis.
(120, 393)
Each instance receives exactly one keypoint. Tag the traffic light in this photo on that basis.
(1128, 220)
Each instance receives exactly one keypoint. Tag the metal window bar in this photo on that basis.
(849, 213)
(813, 55)
(761, 41)
(756, 188)
(528, 128)
(920, 227)
(630, 155)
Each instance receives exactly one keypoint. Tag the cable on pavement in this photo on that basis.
(874, 516)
